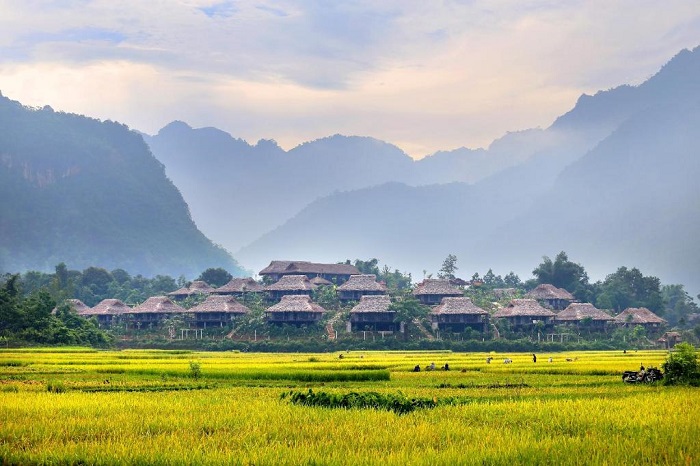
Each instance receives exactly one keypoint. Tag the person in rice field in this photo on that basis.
(534, 357)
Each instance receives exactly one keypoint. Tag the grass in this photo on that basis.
(144, 407)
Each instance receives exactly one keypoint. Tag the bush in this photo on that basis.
(681, 367)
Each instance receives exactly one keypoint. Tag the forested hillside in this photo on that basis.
(86, 192)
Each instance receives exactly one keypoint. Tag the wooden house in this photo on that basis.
(431, 291)
(107, 312)
(669, 339)
(290, 285)
(456, 314)
(360, 285)
(153, 311)
(240, 288)
(372, 313)
(551, 296)
(579, 313)
(633, 316)
(336, 273)
(196, 287)
(294, 310)
(525, 313)
(217, 311)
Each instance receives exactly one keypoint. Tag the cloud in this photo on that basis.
(425, 75)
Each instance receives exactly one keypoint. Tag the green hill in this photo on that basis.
(87, 192)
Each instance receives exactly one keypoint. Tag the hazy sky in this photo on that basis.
(425, 75)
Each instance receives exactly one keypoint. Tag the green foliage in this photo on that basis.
(399, 403)
(681, 367)
(31, 319)
(563, 273)
(215, 276)
(678, 304)
(629, 288)
(195, 369)
(449, 267)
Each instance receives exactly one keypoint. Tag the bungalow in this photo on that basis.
(77, 305)
(456, 314)
(240, 287)
(290, 285)
(294, 310)
(431, 291)
(669, 339)
(107, 312)
(153, 311)
(217, 311)
(639, 316)
(579, 313)
(336, 273)
(372, 313)
(525, 313)
(551, 296)
(196, 287)
(360, 285)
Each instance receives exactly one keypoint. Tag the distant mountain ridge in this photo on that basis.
(90, 193)
(618, 186)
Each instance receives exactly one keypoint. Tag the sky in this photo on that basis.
(424, 75)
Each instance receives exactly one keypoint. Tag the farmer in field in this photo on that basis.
(534, 357)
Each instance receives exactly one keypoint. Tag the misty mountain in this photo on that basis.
(618, 186)
(237, 191)
(90, 193)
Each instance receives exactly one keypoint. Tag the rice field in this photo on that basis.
(82, 406)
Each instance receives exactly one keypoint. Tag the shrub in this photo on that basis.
(681, 367)
(195, 369)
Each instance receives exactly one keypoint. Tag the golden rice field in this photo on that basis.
(81, 406)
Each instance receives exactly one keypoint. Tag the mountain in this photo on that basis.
(87, 192)
(238, 191)
(617, 185)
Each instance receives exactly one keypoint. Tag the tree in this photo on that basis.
(681, 366)
(370, 266)
(407, 309)
(215, 276)
(563, 273)
(512, 280)
(449, 267)
(678, 304)
(629, 288)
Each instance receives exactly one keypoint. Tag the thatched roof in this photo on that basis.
(303, 267)
(292, 283)
(459, 305)
(436, 286)
(78, 306)
(362, 283)
(318, 281)
(219, 303)
(196, 287)
(184, 291)
(295, 303)
(641, 315)
(374, 303)
(576, 312)
(158, 304)
(524, 308)
(110, 307)
(547, 291)
(240, 285)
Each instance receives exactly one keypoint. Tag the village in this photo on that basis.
(359, 305)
